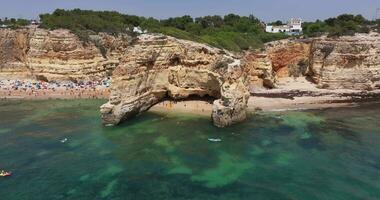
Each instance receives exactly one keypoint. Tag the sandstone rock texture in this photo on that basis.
(150, 68)
(13, 51)
(277, 59)
(158, 67)
(346, 62)
(349, 62)
(260, 70)
(288, 57)
(58, 54)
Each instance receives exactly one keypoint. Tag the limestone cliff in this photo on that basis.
(151, 68)
(350, 62)
(289, 57)
(58, 54)
(13, 51)
(158, 67)
(277, 59)
(346, 62)
(260, 70)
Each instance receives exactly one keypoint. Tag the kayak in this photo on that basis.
(5, 174)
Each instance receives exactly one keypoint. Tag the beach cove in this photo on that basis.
(282, 155)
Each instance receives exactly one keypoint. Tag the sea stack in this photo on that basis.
(157, 67)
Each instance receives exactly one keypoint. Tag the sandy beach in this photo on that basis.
(191, 106)
(291, 94)
(301, 94)
(34, 90)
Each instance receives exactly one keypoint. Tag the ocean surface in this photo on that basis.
(308, 155)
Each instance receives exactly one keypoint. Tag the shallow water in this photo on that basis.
(326, 154)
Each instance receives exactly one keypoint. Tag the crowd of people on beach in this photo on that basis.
(64, 89)
(37, 89)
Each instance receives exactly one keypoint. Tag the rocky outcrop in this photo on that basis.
(351, 62)
(158, 67)
(260, 70)
(151, 68)
(289, 57)
(232, 107)
(14, 46)
(277, 59)
(58, 54)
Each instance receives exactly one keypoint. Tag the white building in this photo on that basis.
(137, 30)
(294, 27)
(34, 22)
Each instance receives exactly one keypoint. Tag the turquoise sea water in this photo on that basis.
(326, 154)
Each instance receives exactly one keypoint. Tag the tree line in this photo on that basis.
(232, 32)
(14, 23)
(341, 25)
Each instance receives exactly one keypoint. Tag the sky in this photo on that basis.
(266, 10)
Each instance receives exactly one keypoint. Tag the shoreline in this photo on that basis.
(302, 96)
(38, 90)
(204, 108)
(57, 94)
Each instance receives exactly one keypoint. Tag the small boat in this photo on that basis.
(5, 174)
(64, 140)
(214, 139)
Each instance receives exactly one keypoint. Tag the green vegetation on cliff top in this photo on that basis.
(342, 25)
(232, 32)
(14, 23)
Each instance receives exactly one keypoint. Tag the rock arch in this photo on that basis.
(157, 67)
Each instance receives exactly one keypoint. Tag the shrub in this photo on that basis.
(341, 25)
(232, 32)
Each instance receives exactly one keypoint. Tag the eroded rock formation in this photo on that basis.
(13, 51)
(155, 67)
(277, 59)
(260, 70)
(289, 57)
(158, 67)
(347, 62)
(58, 54)
(350, 62)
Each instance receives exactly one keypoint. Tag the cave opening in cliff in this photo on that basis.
(205, 98)
(193, 103)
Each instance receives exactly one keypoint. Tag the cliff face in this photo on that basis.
(154, 67)
(260, 70)
(346, 62)
(57, 55)
(351, 62)
(13, 51)
(278, 59)
(157, 67)
(288, 57)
